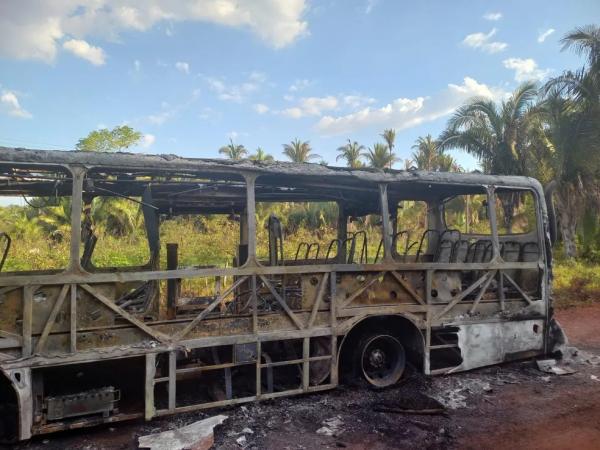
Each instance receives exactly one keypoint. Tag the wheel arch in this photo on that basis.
(401, 326)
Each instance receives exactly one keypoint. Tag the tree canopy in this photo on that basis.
(233, 151)
(299, 151)
(118, 139)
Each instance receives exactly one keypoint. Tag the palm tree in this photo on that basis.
(379, 157)
(426, 154)
(351, 152)
(116, 216)
(495, 134)
(569, 134)
(429, 156)
(563, 148)
(498, 135)
(299, 151)
(446, 163)
(261, 155)
(389, 136)
(233, 151)
(585, 41)
(51, 216)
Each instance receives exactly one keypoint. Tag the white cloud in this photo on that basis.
(261, 108)
(299, 85)
(357, 101)
(403, 113)
(544, 34)
(236, 92)
(82, 49)
(137, 65)
(311, 106)
(161, 117)
(483, 42)
(30, 29)
(9, 103)
(493, 16)
(525, 69)
(147, 140)
(183, 67)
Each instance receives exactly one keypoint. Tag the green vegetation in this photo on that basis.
(576, 283)
(261, 155)
(299, 151)
(351, 153)
(118, 139)
(233, 151)
(379, 157)
(389, 136)
(429, 155)
(550, 132)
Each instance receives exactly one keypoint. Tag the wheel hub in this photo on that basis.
(377, 358)
(382, 358)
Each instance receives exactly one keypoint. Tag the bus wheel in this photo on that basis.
(381, 359)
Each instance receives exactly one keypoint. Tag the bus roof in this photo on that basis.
(122, 162)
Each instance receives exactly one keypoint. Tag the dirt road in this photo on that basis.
(511, 406)
(562, 414)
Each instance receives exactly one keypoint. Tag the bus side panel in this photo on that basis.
(485, 344)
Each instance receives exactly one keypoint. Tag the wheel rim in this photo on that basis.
(382, 360)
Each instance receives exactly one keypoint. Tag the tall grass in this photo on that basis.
(576, 283)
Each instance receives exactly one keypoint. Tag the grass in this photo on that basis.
(214, 243)
(576, 283)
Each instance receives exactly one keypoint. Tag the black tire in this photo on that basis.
(379, 359)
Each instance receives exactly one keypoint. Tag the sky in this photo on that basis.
(192, 74)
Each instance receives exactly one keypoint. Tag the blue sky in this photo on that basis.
(192, 74)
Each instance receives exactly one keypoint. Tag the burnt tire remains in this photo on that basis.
(381, 359)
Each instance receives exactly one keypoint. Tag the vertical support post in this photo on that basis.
(73, 319)
(258, 370)
(491, 196)
(251, 216)
(385, 220)
(305, 363)
(243, 247)
(342, 234)
(78, 174)
(27, 319)
(172, 283)
(333, 325)
(172, 380)
(254, 301)
(150, 374)
(501, 295)
(427, 353)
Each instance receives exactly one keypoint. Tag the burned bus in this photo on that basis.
(444, 271)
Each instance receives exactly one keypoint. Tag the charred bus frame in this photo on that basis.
(445, 313)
